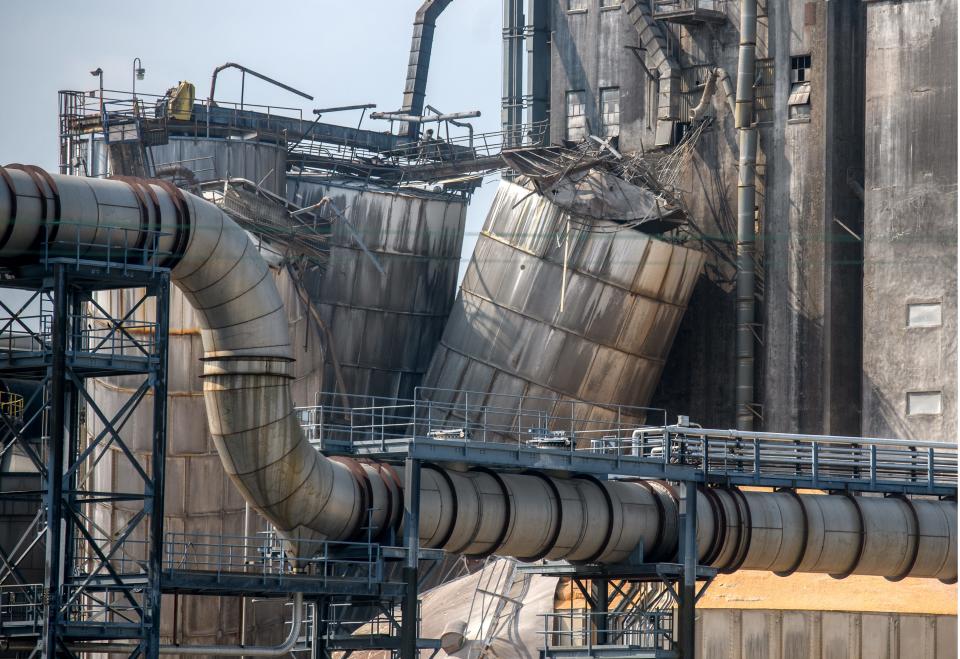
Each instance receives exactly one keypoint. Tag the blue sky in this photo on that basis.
(341, 52)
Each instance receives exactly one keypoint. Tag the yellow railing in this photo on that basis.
(11, 404)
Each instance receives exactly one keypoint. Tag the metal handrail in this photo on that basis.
(579, 628)
(714, 454)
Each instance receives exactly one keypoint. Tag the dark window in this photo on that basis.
(798, 105)
(800, 68)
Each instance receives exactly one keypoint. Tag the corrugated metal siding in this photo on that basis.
(762, 634)
(212, 159)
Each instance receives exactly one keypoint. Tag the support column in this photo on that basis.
(154, 503)
(513, 47)
(687, 586)
(601, 606)
(538, 63)
(53, 573)
(318, 634)
(411, 536)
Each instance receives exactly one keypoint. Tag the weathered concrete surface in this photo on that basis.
(811, 277)
(809, 309)
(910, 232)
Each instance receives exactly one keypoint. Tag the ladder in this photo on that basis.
(495, 601)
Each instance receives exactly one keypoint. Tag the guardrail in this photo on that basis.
(348, 423)
(472, 416)
(21, 609)
(268, 555)
(816, 458)
(578, 630)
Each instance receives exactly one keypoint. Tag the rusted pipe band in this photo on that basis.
(182, 231)
(555, 533)
(661, 512)
(719, 526)
(507, 517)
(453, 496)
(42, 181)
(744, 537)
(366, 491)
(8, 231)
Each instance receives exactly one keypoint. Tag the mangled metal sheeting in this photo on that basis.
(298, 232)
(597, 194)
(581, 184)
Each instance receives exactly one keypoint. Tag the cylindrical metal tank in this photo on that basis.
(212, 159)
(209, 159)
(384, 326)
(624, 293)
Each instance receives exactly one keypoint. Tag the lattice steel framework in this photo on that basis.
(99, 584)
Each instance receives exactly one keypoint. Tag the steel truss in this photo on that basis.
(98, 584)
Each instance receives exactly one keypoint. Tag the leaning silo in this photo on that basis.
(558, 314)
(389, 283)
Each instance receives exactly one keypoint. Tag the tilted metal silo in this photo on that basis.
(555, 314)
(389, 284)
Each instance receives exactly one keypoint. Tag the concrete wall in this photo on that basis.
(809, 301)
(590, 51)
(810, 263)
(910, 232)
(765, 634)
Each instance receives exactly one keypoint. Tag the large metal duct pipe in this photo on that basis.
(421, 45)
(746, 202)
(477, 512)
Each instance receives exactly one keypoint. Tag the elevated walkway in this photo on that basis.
(512, 434)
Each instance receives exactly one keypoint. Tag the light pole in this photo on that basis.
(138, 73)
(98, 73)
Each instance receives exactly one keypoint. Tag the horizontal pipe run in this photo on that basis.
(307, 496)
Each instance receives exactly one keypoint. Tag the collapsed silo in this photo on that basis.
(557, 314)
(389, 283)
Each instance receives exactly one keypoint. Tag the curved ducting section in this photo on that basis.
(476, 512)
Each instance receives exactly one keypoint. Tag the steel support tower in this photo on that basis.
(98, 584)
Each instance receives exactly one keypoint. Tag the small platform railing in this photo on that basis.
(534, 421)
(816, 458)
(577, 630)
